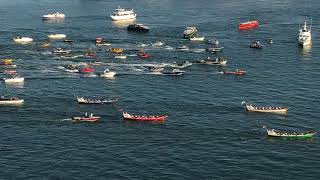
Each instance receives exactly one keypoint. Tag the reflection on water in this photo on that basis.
(305, 51)
(123, 23)
(52, 21)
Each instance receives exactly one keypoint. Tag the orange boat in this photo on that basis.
(248, 25)
(143, 118)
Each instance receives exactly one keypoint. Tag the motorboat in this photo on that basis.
(128, 116)
(108, 74)
(45, 45)
(86, 69)
(10, 72)
(256, 45)
(83, 100)
(138, 28)
(7, 63)
(68, 41)
(70, 56)
(183, 48)
(276, 133)
(173, 72)
(269, 41)
(215, 42)
(236, 72)
(121, 14)
(86, 118)
(90, 54)
(156, 69)
(220, 61)
(277, 110)
(304, 37)
(56, 15)
(116, 50)
(71, 68)
(120, 56)
(214, 49)
(248, 25)
(157, 44)
(22, 40)
(181, 65)
(57, 36)
(14, 79)
(196, 38)
(101, 42)
(61, 51)
(11, 100)
(190, 32)
(143, 55)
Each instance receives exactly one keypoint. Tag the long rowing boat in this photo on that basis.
(144, 117)
(273, 109)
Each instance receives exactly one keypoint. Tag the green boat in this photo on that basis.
(275, 133)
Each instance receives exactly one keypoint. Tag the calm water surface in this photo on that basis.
(208, 134)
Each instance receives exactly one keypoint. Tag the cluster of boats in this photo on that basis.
(277, 110)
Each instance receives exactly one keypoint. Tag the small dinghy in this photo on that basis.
(86, 118)
(214, 49)
(83, 100)
(248, 25)
(71, 68)
(276, 133)
(60, 51)
(181, 65)
(11, 100)
(157, 44)
(108, 74)
(274, 109)
(116, 50)
(87, 69)
(56, 15)
(183, 48)
(128, 116)
(120, 56)
(14, 79)
(101, 42)
(143, 55)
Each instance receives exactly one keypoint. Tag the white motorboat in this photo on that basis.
(57, 36)
(180, 65)
(220, 61)
(14, 79)
(183, 48)
(108, 74)
(304, 38)
(190, 32)
(56, 15)
(61, 51)
(71, 68)
(157, 44)
(11, 100)
(121, 14)
(196, 38)
(120, 56)
(22, 40)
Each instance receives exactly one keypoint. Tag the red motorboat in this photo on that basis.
(248, 25)
(143, 55)
(143, 118)
(86, 118)
(87, 69)
(237, 72)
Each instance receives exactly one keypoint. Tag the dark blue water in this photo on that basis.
(208, 135)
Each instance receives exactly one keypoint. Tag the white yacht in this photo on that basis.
(304, 38)
(123, 14)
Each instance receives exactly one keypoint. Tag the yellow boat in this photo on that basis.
(7, 61)
(116, 50)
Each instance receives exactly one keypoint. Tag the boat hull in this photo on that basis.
(123, 18)
(86, 119)
(4, 102)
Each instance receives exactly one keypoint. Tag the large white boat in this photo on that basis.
(304, 38)
(15, 79)
(123, 14)
(11, 100)
(56, 15)
(22, 40)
